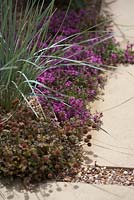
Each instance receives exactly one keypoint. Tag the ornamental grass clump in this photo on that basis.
(18, 43)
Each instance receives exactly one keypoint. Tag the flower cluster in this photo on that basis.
(79, 83)
(129, 54)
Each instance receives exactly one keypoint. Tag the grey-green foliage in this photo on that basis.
(18, 44)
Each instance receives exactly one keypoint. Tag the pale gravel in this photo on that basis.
(104, 175)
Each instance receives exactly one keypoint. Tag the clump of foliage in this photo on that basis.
(17, 60)
(39, 149)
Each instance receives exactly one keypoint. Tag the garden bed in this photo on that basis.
(42, 137)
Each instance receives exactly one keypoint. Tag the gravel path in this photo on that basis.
(107, 175)
(103, 175)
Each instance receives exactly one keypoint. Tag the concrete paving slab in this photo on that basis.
(72, 191)
(123, 15)
(116, 148)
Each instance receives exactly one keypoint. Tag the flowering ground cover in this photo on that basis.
(72, 63)
(80, 83)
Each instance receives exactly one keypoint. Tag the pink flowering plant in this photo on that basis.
(76, 84)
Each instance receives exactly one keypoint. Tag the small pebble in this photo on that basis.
(125, 172)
